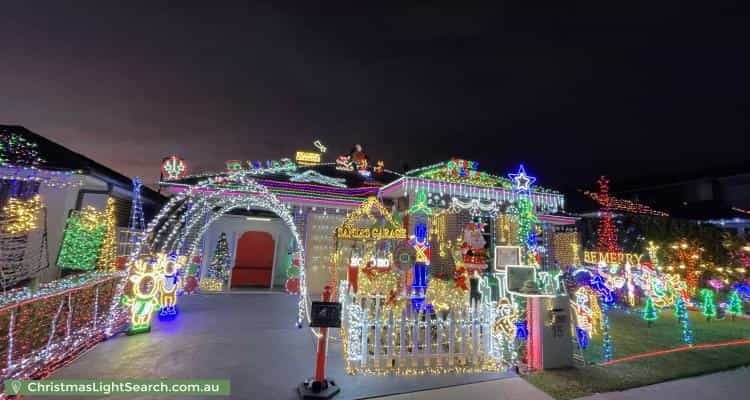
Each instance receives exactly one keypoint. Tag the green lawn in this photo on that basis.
(630, 335)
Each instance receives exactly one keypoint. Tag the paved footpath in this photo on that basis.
(733, 384)
(505, 389)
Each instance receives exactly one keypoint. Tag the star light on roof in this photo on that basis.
(521, 181)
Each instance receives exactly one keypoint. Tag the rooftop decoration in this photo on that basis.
(318, 145)
(15, 149)
(20, 160)
(457, 170)
(627, 206)
(269, 166)
(173, 168)
(311, 176)
(522, 182)
(460, 171)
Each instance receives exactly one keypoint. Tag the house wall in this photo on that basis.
(234, 226)
(320, 243)
(59, 202)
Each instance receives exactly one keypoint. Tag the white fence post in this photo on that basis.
(402, 342)
(365, 334)
(451, 339)
(415, 341)
(390, 361)
(428, 340)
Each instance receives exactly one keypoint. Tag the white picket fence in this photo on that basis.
(461, 341)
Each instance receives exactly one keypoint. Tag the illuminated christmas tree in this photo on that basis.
(292, 271)
(709, 308)
(607, 232)
(219, 267)
(527, 219)
(650, 314)
(606, 338)
(734, 305)
(137, 222)
(108, 252)
(682, 316)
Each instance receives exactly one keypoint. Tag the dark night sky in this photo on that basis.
(573, 92)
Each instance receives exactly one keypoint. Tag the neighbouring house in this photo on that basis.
(65, 180)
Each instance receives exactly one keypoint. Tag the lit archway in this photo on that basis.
(182, 222)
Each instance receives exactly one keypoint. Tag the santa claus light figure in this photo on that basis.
(473, 248)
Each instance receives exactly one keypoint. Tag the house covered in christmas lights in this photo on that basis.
(320, 195)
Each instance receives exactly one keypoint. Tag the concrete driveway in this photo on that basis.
(249, 338)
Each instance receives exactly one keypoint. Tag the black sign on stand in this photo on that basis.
(325, 314)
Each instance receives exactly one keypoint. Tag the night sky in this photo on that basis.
(572, 92)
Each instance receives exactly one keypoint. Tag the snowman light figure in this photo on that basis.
(169, 267)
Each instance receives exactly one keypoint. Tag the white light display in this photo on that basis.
(217, 195)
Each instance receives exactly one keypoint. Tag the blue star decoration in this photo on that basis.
(521, 181)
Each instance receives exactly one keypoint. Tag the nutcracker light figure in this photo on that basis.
(421, 264)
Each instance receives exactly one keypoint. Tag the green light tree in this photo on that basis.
(82, 240)
(650, 314)
(709, 308)
(734, 305)
(527, 220)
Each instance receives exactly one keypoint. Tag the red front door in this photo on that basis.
(254, 263)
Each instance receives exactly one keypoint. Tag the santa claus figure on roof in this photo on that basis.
(360, 160)
(473, 251)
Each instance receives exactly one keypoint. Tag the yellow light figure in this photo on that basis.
(661, 295)
(143, 302)
(506, 321)
(653, 253)
(378, 282)
(108, 252)
(630, 284)
(445, 296)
